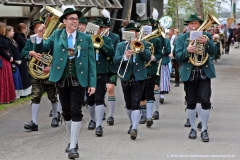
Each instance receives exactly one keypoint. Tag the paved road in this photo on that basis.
(166, 139)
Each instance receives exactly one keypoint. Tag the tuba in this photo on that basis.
(200, 56)
(35, 67)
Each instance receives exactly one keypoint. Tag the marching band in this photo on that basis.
(86, 63)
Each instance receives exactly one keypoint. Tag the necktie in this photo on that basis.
(70, 41)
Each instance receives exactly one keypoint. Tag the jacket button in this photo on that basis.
(58, 67)
(61, 59)
(187, 68)
(81, 72)
(206, 66)
(98, 62)
(138, 70)
(63, 50)
(136, 63)
(111, 62)
(188, 61)
(80, 63)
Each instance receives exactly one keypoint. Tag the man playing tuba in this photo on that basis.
(197, 79)
(39, 86)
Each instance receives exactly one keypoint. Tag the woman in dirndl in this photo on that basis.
(7, 90)
(16, 60)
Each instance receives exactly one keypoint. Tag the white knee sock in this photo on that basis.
(129, 113)
(68, 127)
(161, 95)
(75, 130)
(156, 102)
(135, 118)
(205, 117)
(111, 105)
(99, 110)
(35, 109)
(59, 109)
(199, 108)
(149, 109)
(192, 118)
(54, 109)
(91, 110)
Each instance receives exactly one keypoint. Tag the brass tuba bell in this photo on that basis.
(200, 56)
(35, 67)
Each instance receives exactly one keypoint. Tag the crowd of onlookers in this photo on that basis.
(14, 77)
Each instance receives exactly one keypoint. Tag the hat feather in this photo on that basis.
(106, 13)
(67, 6)
(155, 14)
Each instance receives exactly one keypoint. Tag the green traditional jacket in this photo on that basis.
(85, 65)
(105, 51)
(136, 68)
(152, 67)
(182, 56)
(166, 51)
(115, 40)
(29, 46)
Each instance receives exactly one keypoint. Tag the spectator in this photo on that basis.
(20, 38)
(7, 91)
(16, 60)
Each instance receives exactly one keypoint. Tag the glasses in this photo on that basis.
(72, 19)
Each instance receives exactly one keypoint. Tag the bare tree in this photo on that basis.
(199, 7)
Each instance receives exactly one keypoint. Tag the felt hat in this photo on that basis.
(68, 11)
(99, 22)
(82, 20)
(193, 17)
(131, 26)
(36, 21)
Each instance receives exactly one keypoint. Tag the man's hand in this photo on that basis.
(41, 30)
(202, 39)
(171, 55)
(36, 55)
(91, 90)
(128, 53)
(153, 58)
(46, 70)
(191, 49)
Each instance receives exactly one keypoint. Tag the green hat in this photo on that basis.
(106, 21)
(69, 11)
(193, 17)
(144, 22)
(82, 20)
(154, 23)
(131, 26)
(99, 22)
(36, 21)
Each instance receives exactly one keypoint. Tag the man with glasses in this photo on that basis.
(73, 69)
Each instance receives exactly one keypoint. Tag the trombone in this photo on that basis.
(136, 46)
(98, 40)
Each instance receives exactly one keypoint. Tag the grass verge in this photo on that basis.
(17, 102)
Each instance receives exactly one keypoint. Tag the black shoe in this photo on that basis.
(177, 85)
(31, 126)
(73, 153)
(187, 124)
(204, 136)
(130, 128)
(143, 120)
(99, 131)
(84, 103)
(199, 126)
(54, 122)
(91, 125)
(155, 115)
(110, 120)
(149, 122)
(104, 116)
(67, 149)
(192, 134)
(133, 134)
(50, 114)
(161, 100)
